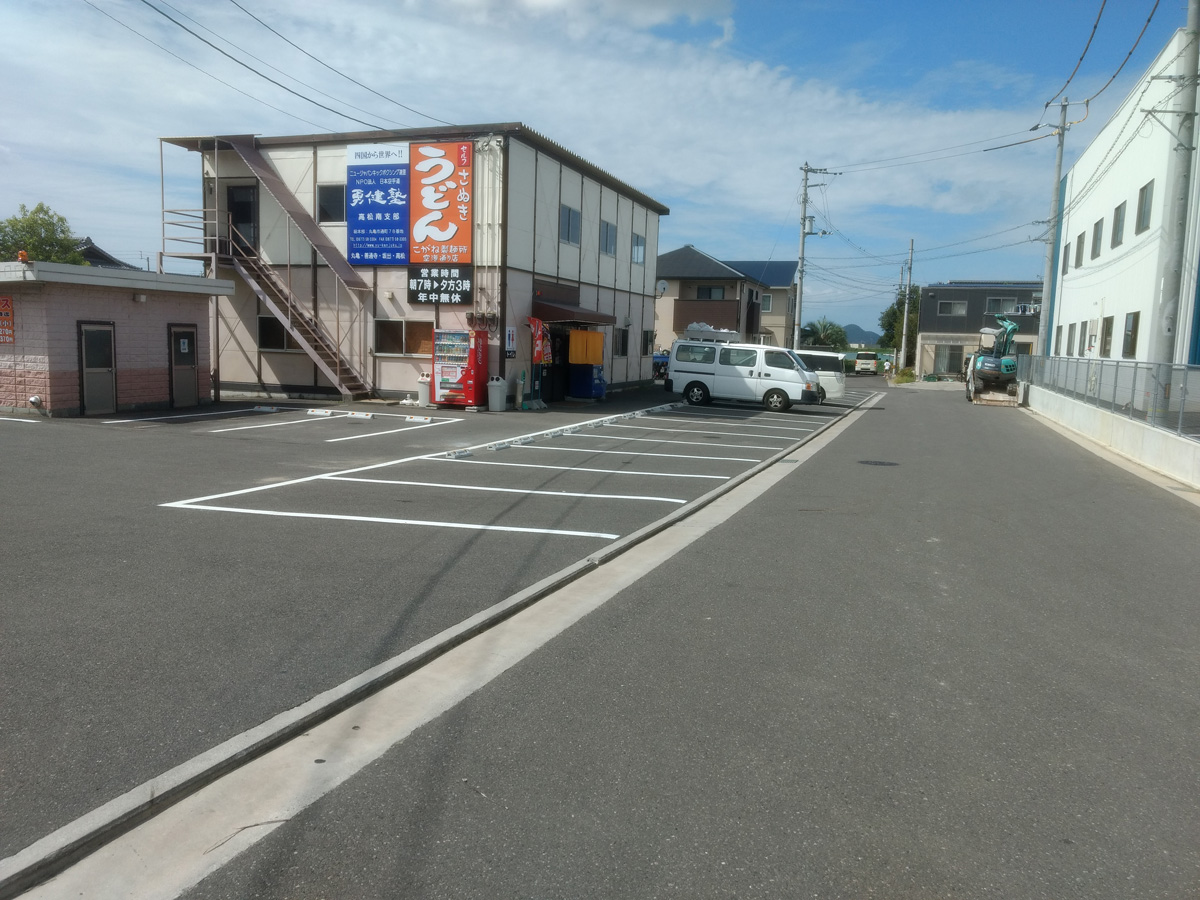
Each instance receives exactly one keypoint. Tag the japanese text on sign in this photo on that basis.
(439, 284)
(8, 324)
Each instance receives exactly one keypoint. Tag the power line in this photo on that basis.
(1095, 25)
(332, 69)
(873, 163)
(1127, 55)
(204, 71)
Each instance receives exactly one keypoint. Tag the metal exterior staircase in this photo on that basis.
(302, 327)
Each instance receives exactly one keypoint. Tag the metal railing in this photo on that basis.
(1162, 395)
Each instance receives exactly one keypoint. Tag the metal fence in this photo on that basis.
(1158, 394)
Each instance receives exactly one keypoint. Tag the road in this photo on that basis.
(948, 653)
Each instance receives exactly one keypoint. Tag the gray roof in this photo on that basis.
(689, 263)
(775, 273)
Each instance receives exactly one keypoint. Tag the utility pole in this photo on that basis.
(804, 232)
(1048, 272)
(907, 290)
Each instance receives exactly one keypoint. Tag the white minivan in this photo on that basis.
(756, 373)
(830, 368)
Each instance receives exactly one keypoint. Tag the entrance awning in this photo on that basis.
(549, 311)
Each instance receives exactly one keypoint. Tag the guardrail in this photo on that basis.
(1161, 395)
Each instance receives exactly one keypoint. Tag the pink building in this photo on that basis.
(85, 340)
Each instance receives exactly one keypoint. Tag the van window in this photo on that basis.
(691, 353)
(867, 356)
(738, 356)
(822, 363)
(779, 359)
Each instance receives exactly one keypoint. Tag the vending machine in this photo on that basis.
(460, 369)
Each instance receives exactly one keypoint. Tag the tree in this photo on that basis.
(41, 233)
(823, 333)
(891, 322)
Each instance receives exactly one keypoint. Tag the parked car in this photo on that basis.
(773, 376)
(830, 369)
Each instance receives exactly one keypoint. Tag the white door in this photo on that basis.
(736, 374)
(778, 371)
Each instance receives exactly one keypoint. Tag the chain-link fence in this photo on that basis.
(1158, 394)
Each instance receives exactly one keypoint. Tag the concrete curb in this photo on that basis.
(62, 848)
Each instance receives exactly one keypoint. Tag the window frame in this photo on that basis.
(1066, 266)
(1117, 236)
(637, 249)
(608, 238)
(1079, 250)
(1071, 339)
(620, 342)
(1097, 237)
(1058, 340)
(647, 342)
(706, 291)
(1129, 338)
(1083, 338)
(289, 345)
(570, 225)
(411, 343)
(1010, 302)
(953, 305)
(1145, 207)
(322, 205)
(765, 303)
(1107, 325)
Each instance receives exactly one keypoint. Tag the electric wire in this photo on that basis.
(332, 69)
(1092, 36)
(204, 71)
(873, 162)
(1142, 34)
(261, 75)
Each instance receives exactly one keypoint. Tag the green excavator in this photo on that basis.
(993, 367)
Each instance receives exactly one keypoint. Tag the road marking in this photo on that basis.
(500, 490)
(358, 437)
(485, 462)
(305, 421)
(701, 431)
(224, 412)
(602, 437)
(427, 523)
(17, 419)
(632, 453)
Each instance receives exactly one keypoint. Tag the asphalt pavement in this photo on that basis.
(950, 654)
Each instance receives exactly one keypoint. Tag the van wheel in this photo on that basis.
(821, 392)
(695, 394)
(776, 401)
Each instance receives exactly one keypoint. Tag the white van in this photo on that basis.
(773, 376)
(830, 368)
(866, 363)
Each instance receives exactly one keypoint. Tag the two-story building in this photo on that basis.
(348, 250)
(694, 287)
(952, 314)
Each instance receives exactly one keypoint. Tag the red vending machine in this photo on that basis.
(460, 369)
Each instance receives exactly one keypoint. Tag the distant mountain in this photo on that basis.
(856, 335)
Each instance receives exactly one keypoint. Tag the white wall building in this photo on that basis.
(1112, 296)
(341, 279)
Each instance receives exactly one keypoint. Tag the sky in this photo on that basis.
(711, 107)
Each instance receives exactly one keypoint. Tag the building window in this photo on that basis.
(1066, 259)
(948, 359)
(1106, 335)
(620, 342)
(608, 238)
(766, 302)
(273, 336)
(1058, 340)
(570, 225)
(638, 250)
(1118, 229)
(647, 343)
(1004, 305)
(331, 203)
(1079, 251)
(401, 337)
(710, 292)
(1129, 343)
(1145, 202)
(1083, 338)
(1071, 339)
(1097, 237)
(952, 307)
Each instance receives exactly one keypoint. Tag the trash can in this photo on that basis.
(497, 394)
(423, 390)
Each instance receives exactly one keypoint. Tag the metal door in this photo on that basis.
(184, 382)
(99, 369)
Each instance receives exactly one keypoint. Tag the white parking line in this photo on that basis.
(305, 420)
(428, 523)
(224, 412)
(632, 453)
(487, 462)
(17, 419)
(603, 437)
(699, 431)
(357, 437)
(500, 490)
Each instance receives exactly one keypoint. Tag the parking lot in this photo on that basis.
(184, 578)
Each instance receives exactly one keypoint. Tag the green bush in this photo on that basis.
(905, 376)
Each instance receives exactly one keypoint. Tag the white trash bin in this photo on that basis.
(497, 394)
(423, 391)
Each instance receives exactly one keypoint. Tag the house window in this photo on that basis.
(766, 302)
(1079, 251)
(1097, 237)
(1004, 305)
(1129, 343)
(273, 336)
(401, 337)
(1071, 340)
(948, 359)
(710, 292)
(1083, 338)
(1106, 336)
(1066, 259)
(1118, 229)
(638, 250)
(952, 307)
(1058, 340)
(1145, 202)
(331, 203)
(620, 342)
(647, 343)
(570, 225)
(608, 238)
